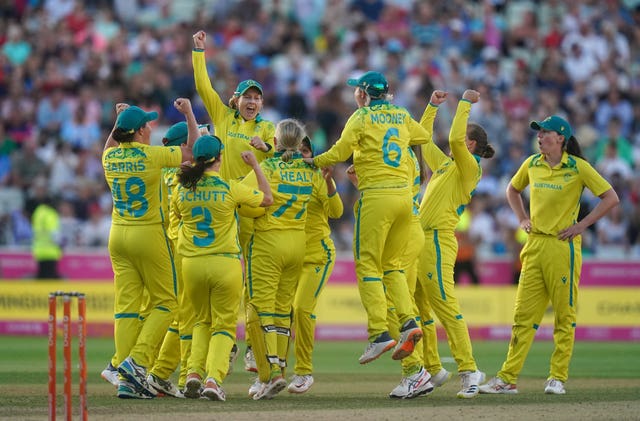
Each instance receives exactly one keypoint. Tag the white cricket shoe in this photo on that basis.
(383, 343)
(470, 383)
(271, 389)
(300, 384)
(497, 385)
(110, 374)
(413, 386)
(440, 378)
(255, 387)
(554, 387)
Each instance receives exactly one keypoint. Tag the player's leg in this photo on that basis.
(263, 275)
(295, 241)
(395, 265)
(128, 294)
(225, 294)
(319, 262)
(531, 302)
(245, 235)
(374, 214)
(155, 262)
(562, 276)
(197, 269)
(186, 321)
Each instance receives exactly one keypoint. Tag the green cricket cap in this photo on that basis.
(176, 135)
(132, 118)
(207, 147)
(245, 85)
(373, 83)
(554, 124)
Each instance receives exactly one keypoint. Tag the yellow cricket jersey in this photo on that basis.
(234, 132)
(292, 184)
(208, 215)
(134, 174)
(454, 178)
(321, 207)
(555, 192)
(378, 137)
(170, 177)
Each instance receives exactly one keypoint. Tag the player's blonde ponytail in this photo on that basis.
(289, 135)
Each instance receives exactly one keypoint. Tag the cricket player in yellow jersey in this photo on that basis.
(138, 244)
(378, 135)
(206, 205)
(319, 259)
(240, 127)
(176, 345)
(276, 255)
(449, 190)
(552, 255)
(415, 379)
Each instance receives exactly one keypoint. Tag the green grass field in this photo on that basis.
(605, 379)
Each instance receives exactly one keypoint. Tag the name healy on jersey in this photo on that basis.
(293, 176)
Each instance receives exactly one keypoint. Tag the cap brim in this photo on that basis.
(237, 93)
(352, 82)
(535, 125)
(152, 115)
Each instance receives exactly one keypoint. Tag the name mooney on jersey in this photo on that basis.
(388, 118)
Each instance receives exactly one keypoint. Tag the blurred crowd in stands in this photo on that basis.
(64, 64)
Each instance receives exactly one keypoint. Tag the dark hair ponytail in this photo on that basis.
(122, 135)
(189, 175)
(483, 148)
(573, 147)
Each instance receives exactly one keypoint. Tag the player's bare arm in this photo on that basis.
(111, 143)
(250, 159)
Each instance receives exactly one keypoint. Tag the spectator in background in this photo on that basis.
(95, 231)
(26, 165)
(612, 231)
(46, 247)
(613, 105)
(53, 110)
(80, 132)
(624, 148)
(612, 164)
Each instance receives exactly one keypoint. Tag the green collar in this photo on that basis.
(279, 154)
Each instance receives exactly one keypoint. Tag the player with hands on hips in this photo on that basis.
(552, 256)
